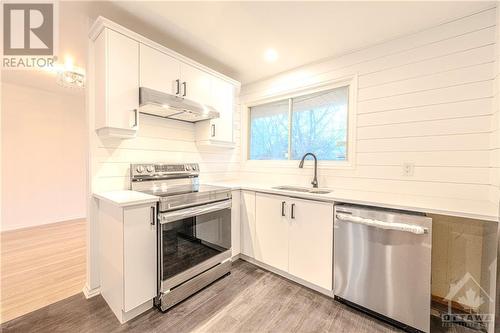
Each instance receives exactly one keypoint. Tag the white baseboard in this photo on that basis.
(89, 293)
(286, 275)
(42, 224)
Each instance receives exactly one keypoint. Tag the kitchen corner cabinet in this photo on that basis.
(218, 131)
(116, 83)
(127, 246)
(247, 223)
(235, 223)
(295, 236)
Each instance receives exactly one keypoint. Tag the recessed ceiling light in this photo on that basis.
(271, 55)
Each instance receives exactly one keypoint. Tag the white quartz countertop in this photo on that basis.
(126, 197)
(475, 209)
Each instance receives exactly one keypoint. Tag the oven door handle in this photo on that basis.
(193, 211)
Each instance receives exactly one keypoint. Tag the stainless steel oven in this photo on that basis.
(191, 241)
(194, 234)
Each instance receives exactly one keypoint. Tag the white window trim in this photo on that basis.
(351, 82)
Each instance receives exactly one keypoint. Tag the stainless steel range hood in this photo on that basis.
(165, 105)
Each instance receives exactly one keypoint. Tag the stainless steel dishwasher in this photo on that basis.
(382, 264)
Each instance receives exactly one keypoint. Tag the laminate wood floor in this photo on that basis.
(40, 266)
(249, 300)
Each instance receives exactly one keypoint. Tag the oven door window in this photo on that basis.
(188, 242)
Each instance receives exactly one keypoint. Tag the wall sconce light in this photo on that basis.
(70, 76)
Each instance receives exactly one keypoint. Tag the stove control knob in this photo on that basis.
(188, 167)
(150, 168)
(140, 169)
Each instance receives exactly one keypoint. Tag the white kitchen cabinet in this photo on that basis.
(311, 242)
(235, 223)
(116, 83)
(139, 255)
(294, 236)
(127, 248)
(123, 61)
(159, 71)
(271, 223)
(219, 131)
(196, 84)
(247, 223)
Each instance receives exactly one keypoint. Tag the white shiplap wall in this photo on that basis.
(161, 140)
(495, 135)
(425, 99)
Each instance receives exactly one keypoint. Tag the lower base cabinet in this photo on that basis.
(127, 246)
(310, 250)
(272, 230)
(293, 235)
(247, 223)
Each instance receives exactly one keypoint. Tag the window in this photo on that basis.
(287, 129)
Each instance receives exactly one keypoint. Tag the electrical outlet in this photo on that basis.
(408, 169)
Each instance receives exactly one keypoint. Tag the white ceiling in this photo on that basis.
(235, 35)
(231, 37)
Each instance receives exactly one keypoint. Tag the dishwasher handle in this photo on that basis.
(415, 229)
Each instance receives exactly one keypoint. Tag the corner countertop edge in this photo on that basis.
(126, 198)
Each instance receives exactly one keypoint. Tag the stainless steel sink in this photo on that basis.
(319, 191)
(291, 188)
(302, 189)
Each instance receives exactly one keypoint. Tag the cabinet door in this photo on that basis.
(247, 223)
(271, 230)
(196, 84)
(311, 242)
(223, 101)
(139, 256)
(117, 81)
(159, 71)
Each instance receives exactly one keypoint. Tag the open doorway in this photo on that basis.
(43, 228)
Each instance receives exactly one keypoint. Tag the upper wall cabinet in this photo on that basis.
(196, 84)
(116, 81)
(125, 61)
(159, 71)
(219, 131)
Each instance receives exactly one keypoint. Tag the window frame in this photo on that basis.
(350, 83)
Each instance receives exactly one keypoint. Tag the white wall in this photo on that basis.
(43, 156)
(424, 99)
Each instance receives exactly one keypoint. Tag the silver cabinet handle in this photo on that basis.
(292, 211)
(283, 208)
(153, 215)
(184, 85)
(136, 116)
(178, 85)
(416, 229)
(213, 130)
